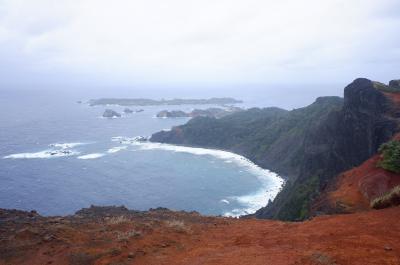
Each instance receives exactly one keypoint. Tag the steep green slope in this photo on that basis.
(269, 137)
(307, 146)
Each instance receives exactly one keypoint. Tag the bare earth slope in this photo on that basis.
(114, 235)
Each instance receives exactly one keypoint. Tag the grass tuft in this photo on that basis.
(389, 199)
(117, 220)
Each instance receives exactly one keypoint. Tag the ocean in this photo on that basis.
(58, 156)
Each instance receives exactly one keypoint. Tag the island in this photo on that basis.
(128, 111)
(172, 114)
(210, 112)
(152, 102)
(109, 113)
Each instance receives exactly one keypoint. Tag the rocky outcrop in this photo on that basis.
(308, 146)
(343, 140)
(395, 84)
(109, 113)
(128, 111)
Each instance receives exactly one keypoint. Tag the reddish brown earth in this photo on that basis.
(118, 236)
(356, 188)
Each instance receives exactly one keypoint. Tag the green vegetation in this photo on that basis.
(298, 203)
(386, 88)
(390, 156)
(389, 199)
(294, 143)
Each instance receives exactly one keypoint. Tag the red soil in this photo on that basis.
(164, 237)
(354, 189)
(395, 97)
(357, 187)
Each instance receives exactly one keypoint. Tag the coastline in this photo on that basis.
(255, 200)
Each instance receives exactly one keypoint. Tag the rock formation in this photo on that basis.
(109, 113)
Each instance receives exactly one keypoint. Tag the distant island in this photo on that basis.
(109, 113)
(210, 112)
(153, 102)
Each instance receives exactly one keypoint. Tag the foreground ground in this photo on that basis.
(114, 235)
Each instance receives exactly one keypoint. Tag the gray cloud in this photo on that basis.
(210, 43)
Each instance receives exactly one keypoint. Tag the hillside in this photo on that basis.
(355, 190)
(114, 235)
(308, 146)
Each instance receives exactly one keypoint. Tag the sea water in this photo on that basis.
(57, 156)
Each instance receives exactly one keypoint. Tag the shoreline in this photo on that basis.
(262, 174)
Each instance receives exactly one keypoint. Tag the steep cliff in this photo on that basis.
(308, 146)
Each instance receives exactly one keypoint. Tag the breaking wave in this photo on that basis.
(57, 150)
(91, 156)
(116, 149)
(43, 154)
(271, 183)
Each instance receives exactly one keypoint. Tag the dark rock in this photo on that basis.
(388, 248)
(109, 113)
(49, 237)
(395, 84)
(128, 111)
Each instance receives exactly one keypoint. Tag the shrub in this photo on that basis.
(391, 198)
(125, 236)
(178, 225)
(115, 220)
(390, 156)
(385, 88)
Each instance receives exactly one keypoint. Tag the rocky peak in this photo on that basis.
(364, 95)
(395, 84)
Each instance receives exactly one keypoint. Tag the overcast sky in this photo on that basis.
(214, 43)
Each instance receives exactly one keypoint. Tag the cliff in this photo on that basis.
(308, 146)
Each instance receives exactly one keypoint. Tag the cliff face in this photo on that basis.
(271, 137)
(343, 140)
(309, 146)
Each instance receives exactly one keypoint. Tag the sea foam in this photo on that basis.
(57, 150)
(43, 154)
(91, 156)
(116, 149)
(66, 145)
(271, 182)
